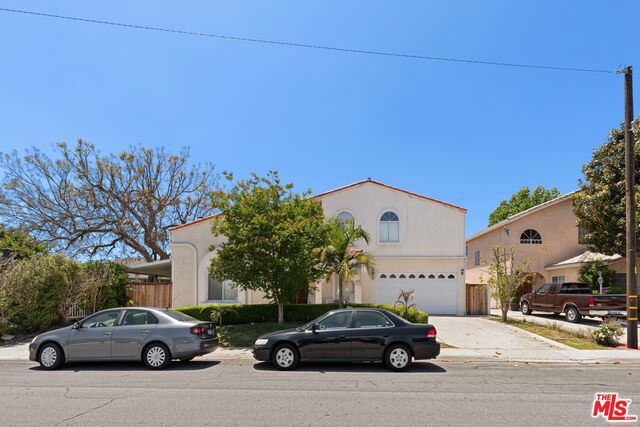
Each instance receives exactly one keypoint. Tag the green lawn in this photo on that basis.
(244, 335)
(577, 341)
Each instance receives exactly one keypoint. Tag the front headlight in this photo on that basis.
(261, 341)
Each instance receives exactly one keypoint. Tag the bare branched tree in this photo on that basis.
(83, 202)
(506, 274)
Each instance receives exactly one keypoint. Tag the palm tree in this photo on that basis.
(341, 257)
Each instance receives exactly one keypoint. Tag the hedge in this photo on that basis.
(254, 313)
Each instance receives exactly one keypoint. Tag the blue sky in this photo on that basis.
(467, 134)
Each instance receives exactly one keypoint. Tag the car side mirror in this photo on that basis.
(314, 328)
(75, 326)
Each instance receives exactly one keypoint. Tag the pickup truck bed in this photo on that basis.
(575, 300)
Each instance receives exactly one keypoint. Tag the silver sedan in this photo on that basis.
(155, 336)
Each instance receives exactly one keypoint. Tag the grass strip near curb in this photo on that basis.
(579, 341)
(244, 335)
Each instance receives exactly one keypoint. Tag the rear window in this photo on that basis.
(576, 288)
(180, 316)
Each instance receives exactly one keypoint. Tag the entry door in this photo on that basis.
(92, 338)
(331, 340)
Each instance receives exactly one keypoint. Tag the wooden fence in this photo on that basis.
(146, 294)
(476, 300)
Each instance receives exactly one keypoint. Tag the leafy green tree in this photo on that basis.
(18, 240)
(273, 238)
(600, 203)
(590, 272)
(86, 203)
(522, 200)
(341, 257)
(507, 275)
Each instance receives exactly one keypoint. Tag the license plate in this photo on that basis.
(210, 331)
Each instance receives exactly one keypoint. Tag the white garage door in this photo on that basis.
(435, 295)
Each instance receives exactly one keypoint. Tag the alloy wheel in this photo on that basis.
(156, 356)
(48, 356)
(398, 358)
(285, 357)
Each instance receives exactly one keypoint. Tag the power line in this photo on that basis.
(309, 46)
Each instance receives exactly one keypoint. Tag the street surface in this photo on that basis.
(246, 393)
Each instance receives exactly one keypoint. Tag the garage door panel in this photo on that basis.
(435, 296)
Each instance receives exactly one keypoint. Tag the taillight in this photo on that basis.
(592, 302)
(431, 333)
(197, 330)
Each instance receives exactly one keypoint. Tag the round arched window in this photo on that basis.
(345, 217)
(531, 237)
(389, 227)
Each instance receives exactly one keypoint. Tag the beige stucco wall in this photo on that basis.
(431, 239)
(557, 226)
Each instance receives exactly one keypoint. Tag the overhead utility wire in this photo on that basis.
(308, 46)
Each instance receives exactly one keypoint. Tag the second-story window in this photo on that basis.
(389, 227)
(345, 217)
(582, 233)
(476, 258)
(531, 237)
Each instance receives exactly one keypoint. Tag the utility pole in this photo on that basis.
(630, 193)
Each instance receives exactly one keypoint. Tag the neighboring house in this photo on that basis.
(548, 236)
(417, 243)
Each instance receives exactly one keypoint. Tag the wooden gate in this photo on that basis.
(147, 294)
(476, 299)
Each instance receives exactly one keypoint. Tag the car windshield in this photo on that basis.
(179, 316)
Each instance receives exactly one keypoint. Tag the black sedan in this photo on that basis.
(353, 335)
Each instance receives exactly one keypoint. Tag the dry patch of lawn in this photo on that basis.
(580, 341)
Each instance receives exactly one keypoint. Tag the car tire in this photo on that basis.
(397, 357)
(525, 308)
(285, 357)
(51, 356)
(573, 315)
(156, 356)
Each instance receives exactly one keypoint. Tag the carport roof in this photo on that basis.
(582, 259)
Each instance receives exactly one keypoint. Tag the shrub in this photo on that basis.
(608, 333)
(229, 314)
(617, 290)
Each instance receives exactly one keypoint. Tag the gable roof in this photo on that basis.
(522, 214)
(335, 190)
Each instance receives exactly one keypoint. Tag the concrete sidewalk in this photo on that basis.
(474, 339)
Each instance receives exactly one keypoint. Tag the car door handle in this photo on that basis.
(144, 332)
(106, 334)
(342, 337)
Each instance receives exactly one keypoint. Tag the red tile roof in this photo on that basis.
(364, 181)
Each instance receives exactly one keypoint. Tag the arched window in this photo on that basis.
(345, 217)
(389, 227)
(402, 276)
(440, 276)
(412, 276)
(392, 276)
(451, 276)
(531, 237)
(431, 276)
(383, 276)
(421, 276)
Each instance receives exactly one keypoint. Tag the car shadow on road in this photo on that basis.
(416, 368)
(550, 316)
(194, 365)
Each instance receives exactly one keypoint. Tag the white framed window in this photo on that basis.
(557, 279)
(531, 237)
(345, 217)
(582, 233)
(476, 258)
(389, 227)
(222, 291)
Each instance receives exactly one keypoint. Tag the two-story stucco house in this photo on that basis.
(548, 236)
(417, 243)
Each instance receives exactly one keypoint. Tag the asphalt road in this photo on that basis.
(244, 393)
